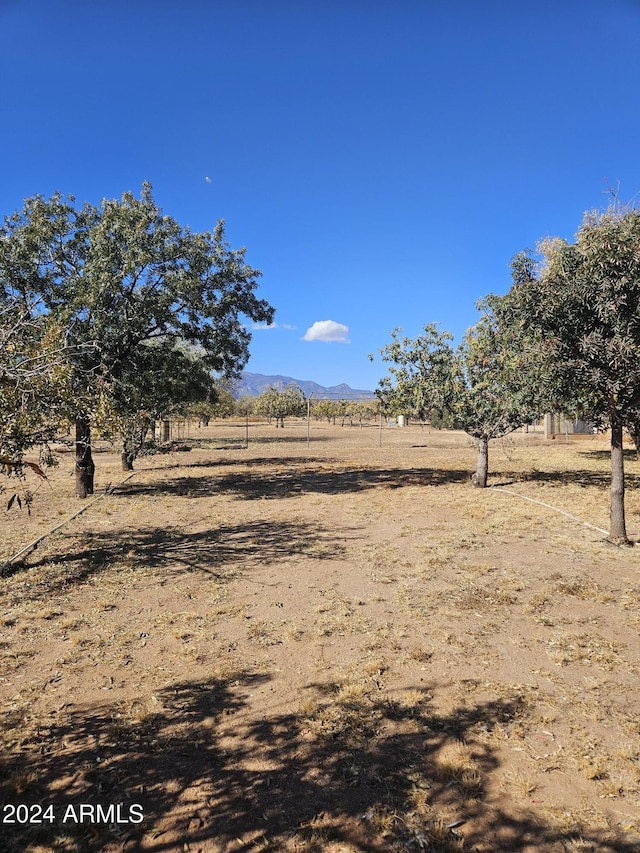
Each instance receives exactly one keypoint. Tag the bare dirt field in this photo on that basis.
(340, 647)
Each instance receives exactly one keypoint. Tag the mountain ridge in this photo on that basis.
(254, 384)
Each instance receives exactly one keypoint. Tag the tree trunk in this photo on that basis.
(84, 463)
(479, 479)
(617, 528)
(127, 456)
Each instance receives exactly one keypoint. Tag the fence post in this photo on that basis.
(309, 420)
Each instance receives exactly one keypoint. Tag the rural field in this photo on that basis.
(339, 647)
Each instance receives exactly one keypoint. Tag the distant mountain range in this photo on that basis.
(253, 384)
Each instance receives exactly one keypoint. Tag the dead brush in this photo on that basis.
(421, 655)
(523, 784)
(414, 829)
(584, 588)
(265, 633)
(573, 828)
(132, 713)
(586, 649)
(349, 717)
(339, 615)
(594, 769)
(483, 599)
(611, 788)
(630, 599)
(47, 613)
(457, 765)
(24, 783)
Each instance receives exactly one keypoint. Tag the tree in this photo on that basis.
(245, 405)
(33, 389)
(281, 403)
(476, 385)
(168, 379)
(576, 309)
(365, 411)
(121, 276)
(324, 409)
(219, 402)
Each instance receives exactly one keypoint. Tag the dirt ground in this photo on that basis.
(330, 647)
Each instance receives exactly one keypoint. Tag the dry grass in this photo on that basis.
(344, 648)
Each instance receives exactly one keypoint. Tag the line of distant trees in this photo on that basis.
(279, 403)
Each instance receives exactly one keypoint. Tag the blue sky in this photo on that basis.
(381, 160)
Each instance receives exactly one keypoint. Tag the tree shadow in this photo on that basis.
(578, 477)
(363, 769)
(287, 439)
(249, 461)
(230, 442)
(221, 552)
(629, 455)
(294, 480)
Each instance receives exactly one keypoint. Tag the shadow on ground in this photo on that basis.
(222, 552)
(293, 476)
(246, 461)
(579, 477)
(287, 439)
(212, 775)
(629, 455)
(226, 442)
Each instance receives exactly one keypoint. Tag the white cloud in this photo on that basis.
(328, 331)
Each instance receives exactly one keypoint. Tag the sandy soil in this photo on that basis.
(333, 647)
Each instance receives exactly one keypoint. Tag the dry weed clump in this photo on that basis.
(582, 587)
(337, 615)
(587, 649)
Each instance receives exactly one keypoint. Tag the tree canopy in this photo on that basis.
(165, 378)
(476, 385)
(575, 312)
(280, 403)
(34, 384)
(120, 277)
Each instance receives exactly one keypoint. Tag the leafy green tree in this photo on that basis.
(325, 410)
(223, 404)
(475, 385)
(280, 403)
(365, 411)
(34, 387)
(119, 277)
(218, 403)
(245, 405)
(576, 312)
(167, 380)
(360, 411)
(341, 411)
